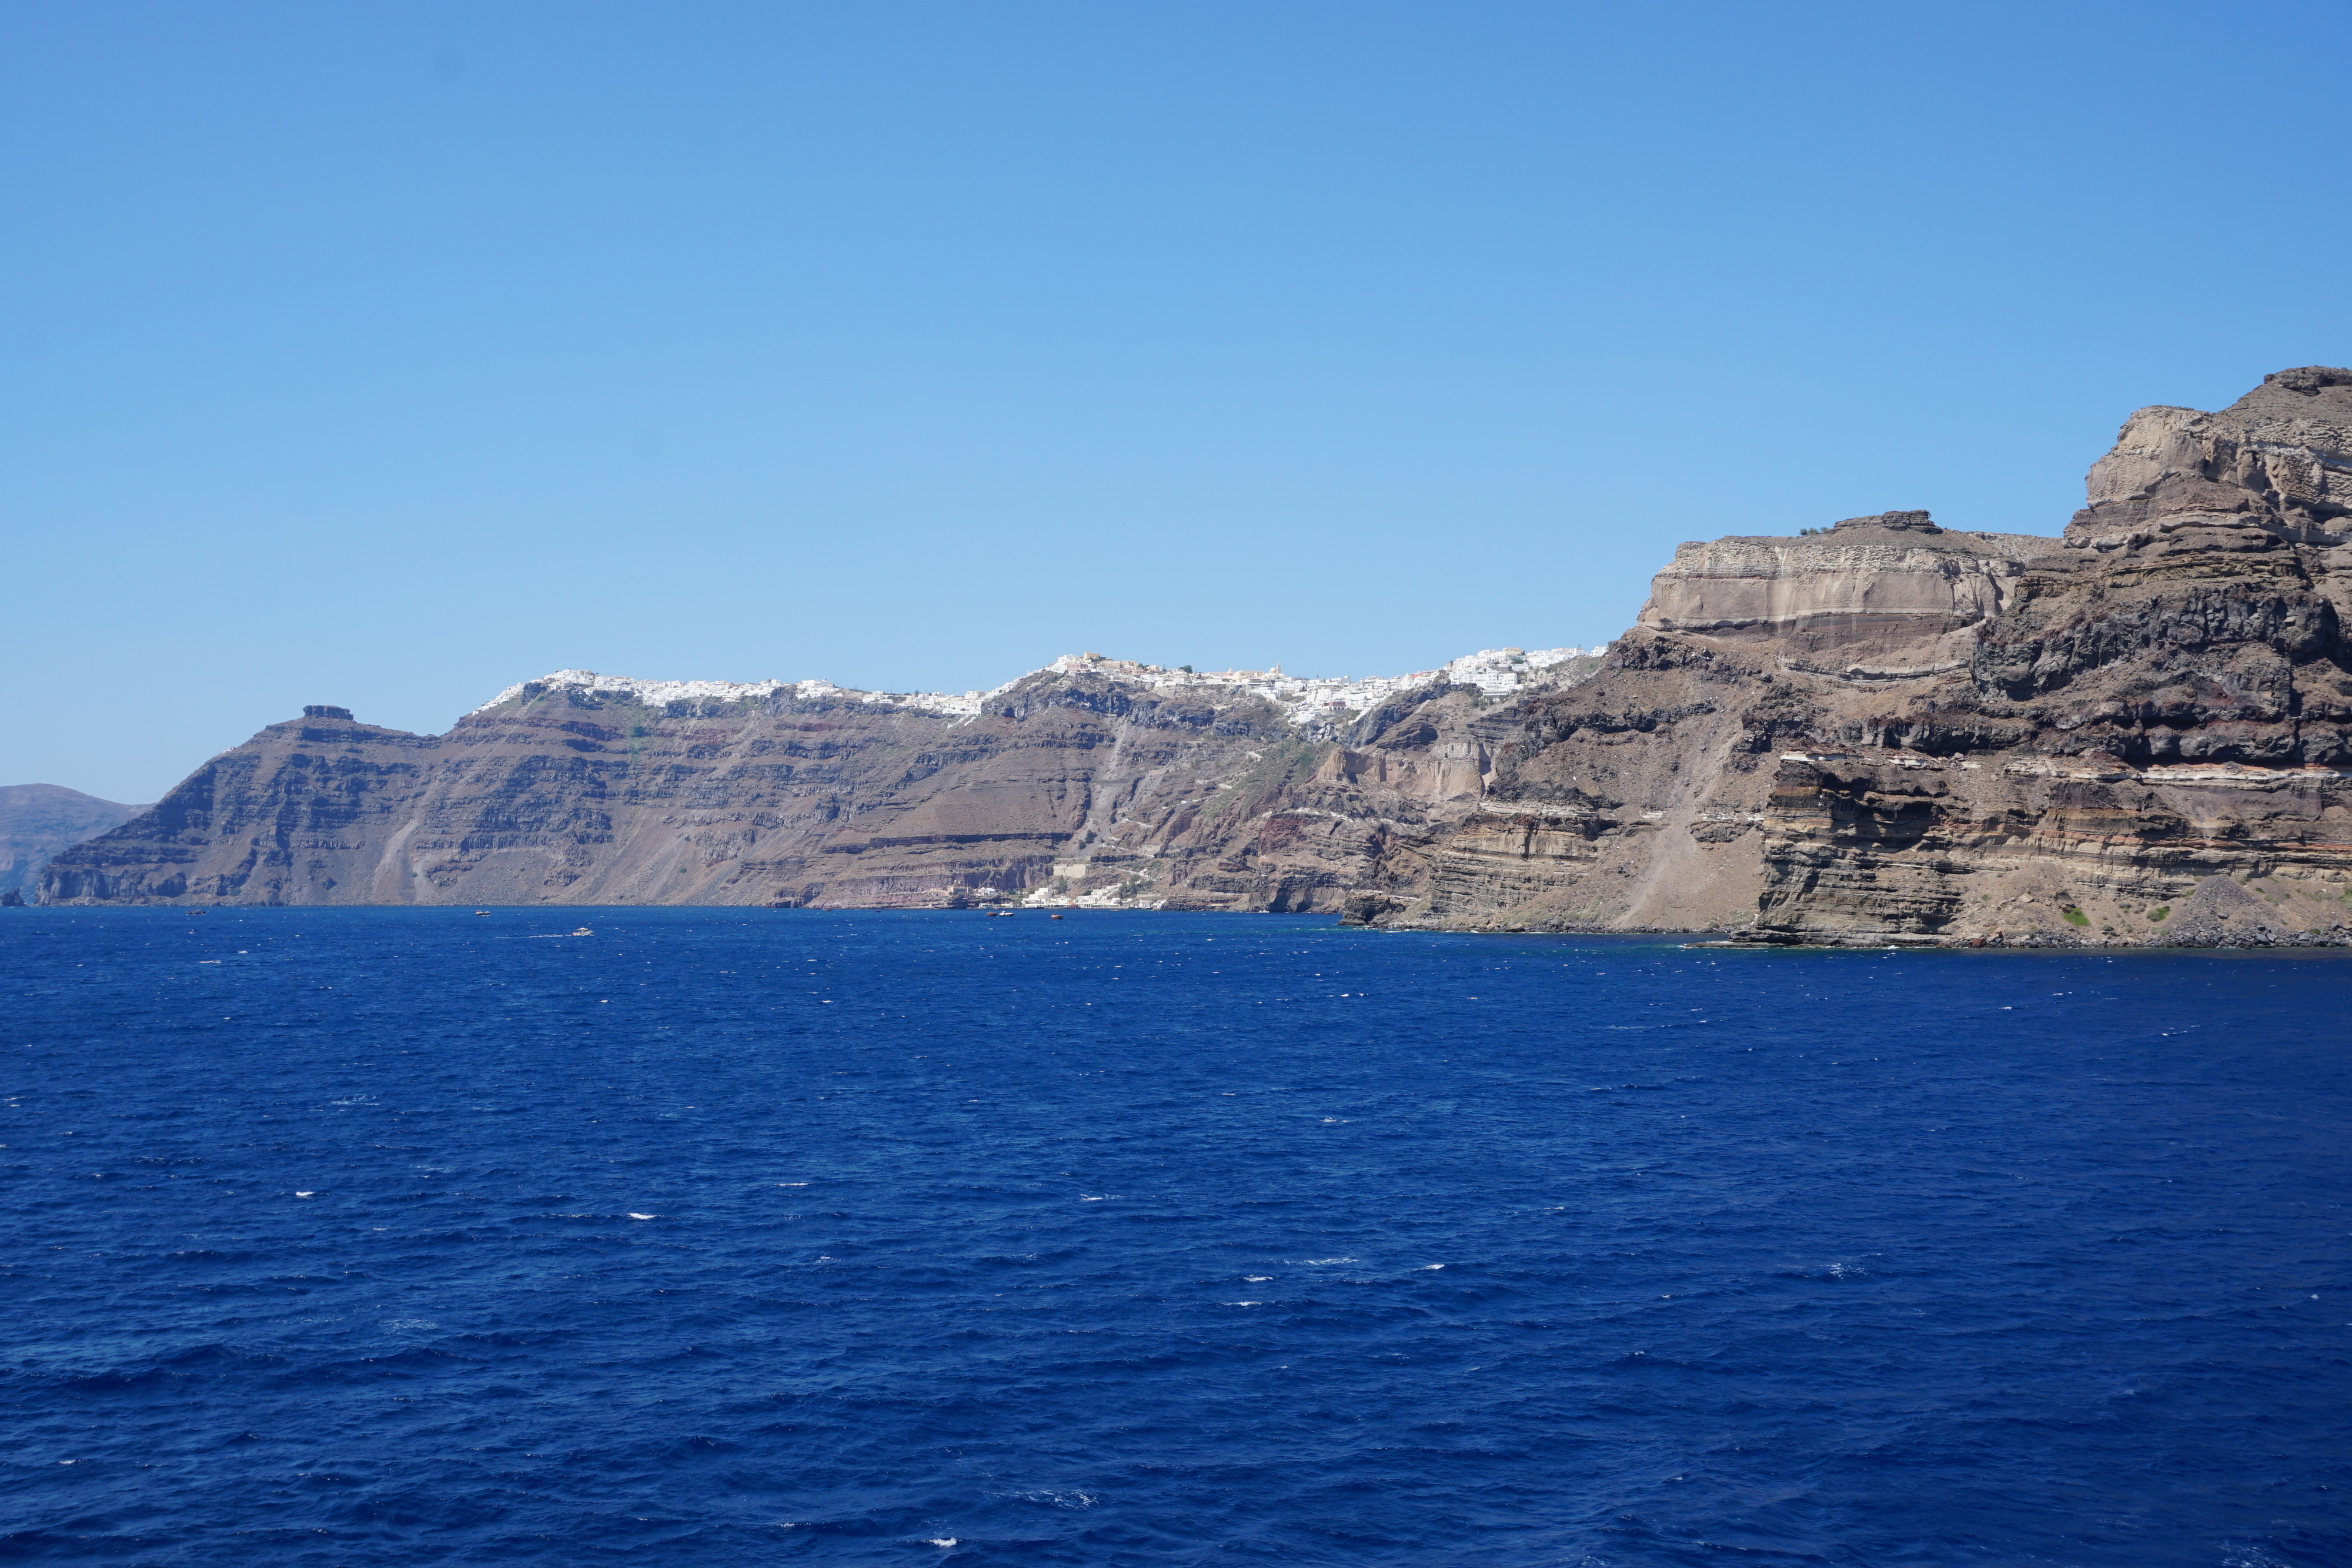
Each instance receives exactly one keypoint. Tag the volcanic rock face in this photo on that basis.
(2138, 732)
(1071, 784)
(36, 820)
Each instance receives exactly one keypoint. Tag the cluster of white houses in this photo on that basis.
(1497, 672)
(1494, 670)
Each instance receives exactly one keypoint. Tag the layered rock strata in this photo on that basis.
(1079, 783)
(1887, 733)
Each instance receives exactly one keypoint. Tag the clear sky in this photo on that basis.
(384, 355)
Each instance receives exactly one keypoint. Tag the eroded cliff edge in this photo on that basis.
(2139, 732)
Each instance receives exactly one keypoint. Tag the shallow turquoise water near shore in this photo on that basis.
(719, 1236)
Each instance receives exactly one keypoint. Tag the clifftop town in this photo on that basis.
(1878, 732)
(1304, 700)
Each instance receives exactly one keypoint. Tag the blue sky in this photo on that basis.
(384, 355)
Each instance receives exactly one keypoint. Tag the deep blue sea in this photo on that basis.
(392, 1237)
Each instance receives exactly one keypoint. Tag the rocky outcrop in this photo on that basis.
(1887, 733)
(1890, 597)
(36, 820)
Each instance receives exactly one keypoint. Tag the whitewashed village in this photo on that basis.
(1309, 702)
(1302, 699)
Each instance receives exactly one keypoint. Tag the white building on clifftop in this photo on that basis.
(1302, 699)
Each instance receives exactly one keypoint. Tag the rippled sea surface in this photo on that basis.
(380, 1237)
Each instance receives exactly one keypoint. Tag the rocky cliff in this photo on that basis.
(36, 820)
(1878, 732)
(1094, 781)
(1884, 732)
